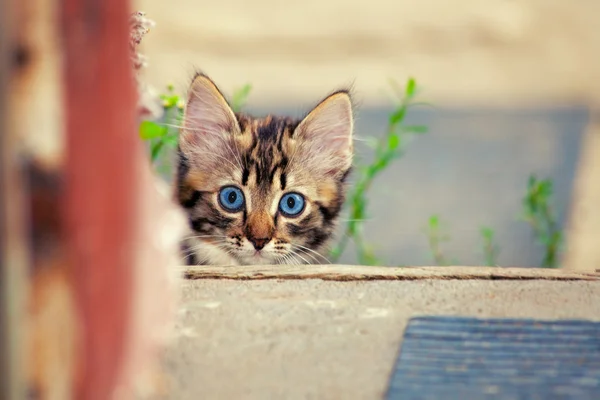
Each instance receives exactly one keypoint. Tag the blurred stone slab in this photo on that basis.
(583, 251)
(468, 358)
(465, 51)
(471, 169)
(329, 339)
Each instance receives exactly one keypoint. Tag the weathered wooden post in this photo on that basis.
(100, 217)
(13, 253)
(84, 287)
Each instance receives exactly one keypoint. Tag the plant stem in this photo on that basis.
(388, 148)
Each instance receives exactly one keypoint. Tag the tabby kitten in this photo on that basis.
(261, 190)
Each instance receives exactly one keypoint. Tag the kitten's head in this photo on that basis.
(261, 190)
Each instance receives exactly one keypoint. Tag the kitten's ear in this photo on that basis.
(206, 113)
(327, 133)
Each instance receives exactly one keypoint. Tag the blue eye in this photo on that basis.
(231, 198)
(291, 204)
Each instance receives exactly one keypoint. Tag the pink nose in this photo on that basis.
(259, 243)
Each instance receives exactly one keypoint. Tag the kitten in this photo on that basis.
(261, 190)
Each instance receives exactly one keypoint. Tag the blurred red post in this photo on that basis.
(102, 148)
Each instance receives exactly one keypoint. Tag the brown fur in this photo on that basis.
(266, 158)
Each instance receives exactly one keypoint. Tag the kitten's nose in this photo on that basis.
(259, 243)
(259, 229)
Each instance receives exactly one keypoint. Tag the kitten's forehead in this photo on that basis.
(265, 147)
(268, 130)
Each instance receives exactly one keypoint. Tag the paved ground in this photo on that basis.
(311, 339)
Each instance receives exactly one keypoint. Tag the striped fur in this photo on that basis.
(266, 158)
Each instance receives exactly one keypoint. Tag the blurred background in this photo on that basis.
(512, 86)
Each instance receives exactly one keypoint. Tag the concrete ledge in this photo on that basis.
(366, 273)
(333, 332)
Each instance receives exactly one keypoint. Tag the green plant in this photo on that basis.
(490, 249)
(161, 136)
(387, 148)
(240, 97)
(436, 235)
(537, 212)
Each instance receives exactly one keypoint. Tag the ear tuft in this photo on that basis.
(206, 113)
(327, 132)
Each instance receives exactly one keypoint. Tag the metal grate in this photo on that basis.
(467, 358)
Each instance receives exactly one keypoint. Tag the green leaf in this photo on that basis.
(169, 101)
(368, 258)
(419, 129)
(384, 151)
(546, 188)
(352, 227)
(151, 130)
(487, 233)
(239, 97)
(171, 140)
(531, 182)
(335, 253)
(397, 116)
(410, 87)
(393, 141)
(156, 150)
(434, 222)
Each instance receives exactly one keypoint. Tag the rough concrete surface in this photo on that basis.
(313, 339)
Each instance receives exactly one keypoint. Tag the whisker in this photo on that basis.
(291, 260)
(198, 250)
(170, 125)
(280, 258)
(204, 236)
(312, 251)
(296, 254)
(229, 252)
(226, 159)
(286, 259)
(185, 258)
(309, 255)
(199, 246)
(201, 242)
(359, 139)
(355, 220)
